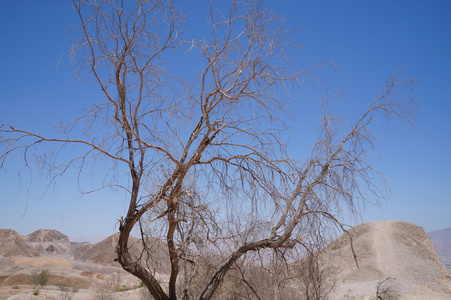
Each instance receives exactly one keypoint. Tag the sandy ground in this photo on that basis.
(53, 293)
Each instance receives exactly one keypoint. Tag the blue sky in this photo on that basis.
(368, 40)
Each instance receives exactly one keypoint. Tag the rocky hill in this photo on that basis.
(387, 249)
(442, 242)
(13, 244)
(48, 241)
(48, 236)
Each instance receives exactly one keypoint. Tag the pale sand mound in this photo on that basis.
(384, 249)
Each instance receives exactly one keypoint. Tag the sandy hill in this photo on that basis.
(442, 242)
(13, 244)
(394, 249)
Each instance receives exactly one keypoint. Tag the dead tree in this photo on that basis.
(199, 154)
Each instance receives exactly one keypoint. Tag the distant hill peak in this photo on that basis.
(445, 233)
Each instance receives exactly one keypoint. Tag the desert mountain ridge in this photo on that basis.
(386, 249)
(51, 242)
(442, 243)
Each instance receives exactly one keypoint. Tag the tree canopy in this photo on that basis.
(203, 156)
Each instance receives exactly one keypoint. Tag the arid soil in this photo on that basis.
(54, 293)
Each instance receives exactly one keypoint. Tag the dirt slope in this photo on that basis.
(384, 249)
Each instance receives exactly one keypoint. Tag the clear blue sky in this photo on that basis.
(367, 40)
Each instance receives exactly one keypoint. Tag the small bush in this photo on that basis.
(16, 287)
(39, 279)
(122, 288)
